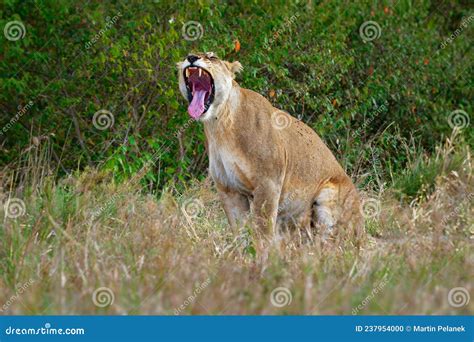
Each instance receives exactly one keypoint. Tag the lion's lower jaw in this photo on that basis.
(210, 115)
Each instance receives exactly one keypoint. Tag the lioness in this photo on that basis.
(262, 159)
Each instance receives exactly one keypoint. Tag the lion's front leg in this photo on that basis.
(265, 207)
(236, 206)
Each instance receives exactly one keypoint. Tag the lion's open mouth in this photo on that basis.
(200, 86)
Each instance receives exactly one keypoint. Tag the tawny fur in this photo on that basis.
(266, 162)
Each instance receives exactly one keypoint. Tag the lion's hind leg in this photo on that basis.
(337, 208)
(325, 210)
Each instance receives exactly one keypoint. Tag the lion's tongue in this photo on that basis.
(196, 107)
(200, 82)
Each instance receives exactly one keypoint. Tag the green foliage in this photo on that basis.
(77, 58)
(422, 177)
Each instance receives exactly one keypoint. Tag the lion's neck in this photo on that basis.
(224, 115)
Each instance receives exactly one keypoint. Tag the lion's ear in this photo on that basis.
(234, 67)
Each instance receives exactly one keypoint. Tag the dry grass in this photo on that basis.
(157, 257)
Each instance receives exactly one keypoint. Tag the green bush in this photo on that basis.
(307, 57)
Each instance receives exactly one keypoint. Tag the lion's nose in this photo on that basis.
(192, 58)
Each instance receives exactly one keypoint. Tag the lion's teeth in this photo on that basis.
(187, 72)
(200, 72)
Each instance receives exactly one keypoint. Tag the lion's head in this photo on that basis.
(206, 81)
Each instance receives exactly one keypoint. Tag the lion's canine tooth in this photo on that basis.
(187, 72)
(200, 72)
